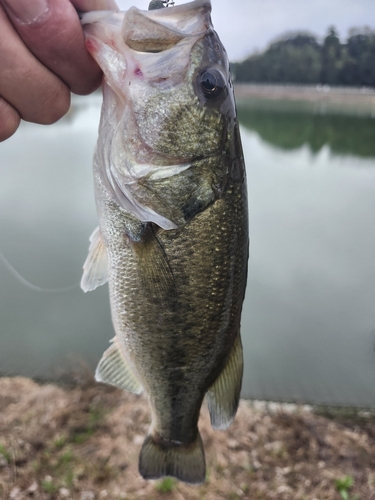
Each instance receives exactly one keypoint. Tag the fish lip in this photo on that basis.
(175, 8)
(126, 33)
(91, 17)
(94, 17)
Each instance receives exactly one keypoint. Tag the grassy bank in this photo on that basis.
(82, 443)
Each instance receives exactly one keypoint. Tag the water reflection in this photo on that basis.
(309, 316)
(291, 129)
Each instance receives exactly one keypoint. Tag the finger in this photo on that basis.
(9, 120)
(37, 94)
(52, 31)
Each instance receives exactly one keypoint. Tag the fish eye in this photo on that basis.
(211, 83)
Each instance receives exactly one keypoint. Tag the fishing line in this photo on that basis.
(27, 284)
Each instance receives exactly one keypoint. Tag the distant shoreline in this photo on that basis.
(339, 99)
(319, 98)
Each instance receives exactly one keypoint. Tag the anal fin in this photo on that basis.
(113, 369)
(224, 394)
(95, 268)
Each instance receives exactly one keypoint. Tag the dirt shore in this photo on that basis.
(82, 443)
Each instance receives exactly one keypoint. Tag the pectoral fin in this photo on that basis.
(224, 394)
(113, 369)
(153, 268)
(95, 268)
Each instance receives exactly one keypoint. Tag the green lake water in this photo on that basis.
(308, 326)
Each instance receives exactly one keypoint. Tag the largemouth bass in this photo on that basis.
(173, 231)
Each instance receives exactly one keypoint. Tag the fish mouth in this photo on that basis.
(148, 31)
(154, 46)
(161, 29)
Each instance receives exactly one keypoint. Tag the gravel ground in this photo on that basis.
(82, 442)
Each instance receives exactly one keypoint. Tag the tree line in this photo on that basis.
(300, 58)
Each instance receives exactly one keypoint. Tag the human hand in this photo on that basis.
(43, 58)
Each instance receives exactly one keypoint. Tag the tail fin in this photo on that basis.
(164, 458)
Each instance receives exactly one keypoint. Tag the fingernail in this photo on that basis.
(106, 5)
(27, 11)
(88, 5)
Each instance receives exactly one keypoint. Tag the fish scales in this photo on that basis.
(205, 312)
(172, 242)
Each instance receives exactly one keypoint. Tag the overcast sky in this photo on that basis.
(248, 25)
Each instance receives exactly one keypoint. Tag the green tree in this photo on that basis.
(295, 58)
(359, 67)
(299, 58)
(333, 58)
